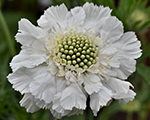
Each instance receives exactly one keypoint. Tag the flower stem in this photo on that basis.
(7, 34)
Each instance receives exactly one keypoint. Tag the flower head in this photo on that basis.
(72, 55)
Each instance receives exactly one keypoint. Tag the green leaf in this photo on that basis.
(144, 71)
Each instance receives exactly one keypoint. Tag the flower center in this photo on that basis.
(77, 50)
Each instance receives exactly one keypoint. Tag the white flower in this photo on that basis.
(72, 55)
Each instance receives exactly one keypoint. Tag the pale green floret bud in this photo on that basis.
(78, 60)
(69, 42)
(90, 45)
(70, 52)
(66, 46)
(64, 43)
(90, 49)
(74, 56)
(69, 62)
(77, 50)
(78, 54)
(91, 59)
(91, 54)
(68, 57)
(83, 52)
(78, 42)
(62, 49)
(82, 38)
(89, 63)
(87, 51)
(94, 61)
(82, 57)
(84, 48)
(66, 51)
(85, 60)
(76, 66)
(70, 47)
(85, 66)
(74, 62)
(81, 64)
(78, 38)
(77, 46)
(87, 56)
(86, 41)
(63, 56)
(81, 45)
(73, 44)
(94, 49)
(60, 46)
(74, 40)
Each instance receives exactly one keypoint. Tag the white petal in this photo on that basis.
(107, 56)
(108, 50)
(33, 50)
(112, 30)
(29, 33)
(72, 97)
(43, 86)
(42, 104)
(114, 62)
(66, 113)
(28, 101)
(75, 111)
(100, 99)
(78, 16)
(22, 78)
(128, 49)
(56, 114)
(127, 66)
(54, 17)
(60, 84)
(91, 83)
(119, 86)
(57, 110)
(129, 46)
(95, 16)
(27, 58)
(53, 68)
(124, 97)
(56, 104)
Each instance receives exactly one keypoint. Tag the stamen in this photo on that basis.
(77, 50)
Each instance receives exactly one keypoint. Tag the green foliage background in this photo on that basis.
(135, 15)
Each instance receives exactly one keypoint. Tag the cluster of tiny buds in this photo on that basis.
(77, 50)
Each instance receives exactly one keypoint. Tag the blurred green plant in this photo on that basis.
(7, 34)
(134, 14)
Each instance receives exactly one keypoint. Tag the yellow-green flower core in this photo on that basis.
(77, 50)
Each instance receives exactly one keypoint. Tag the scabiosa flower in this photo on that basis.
(72, 55)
